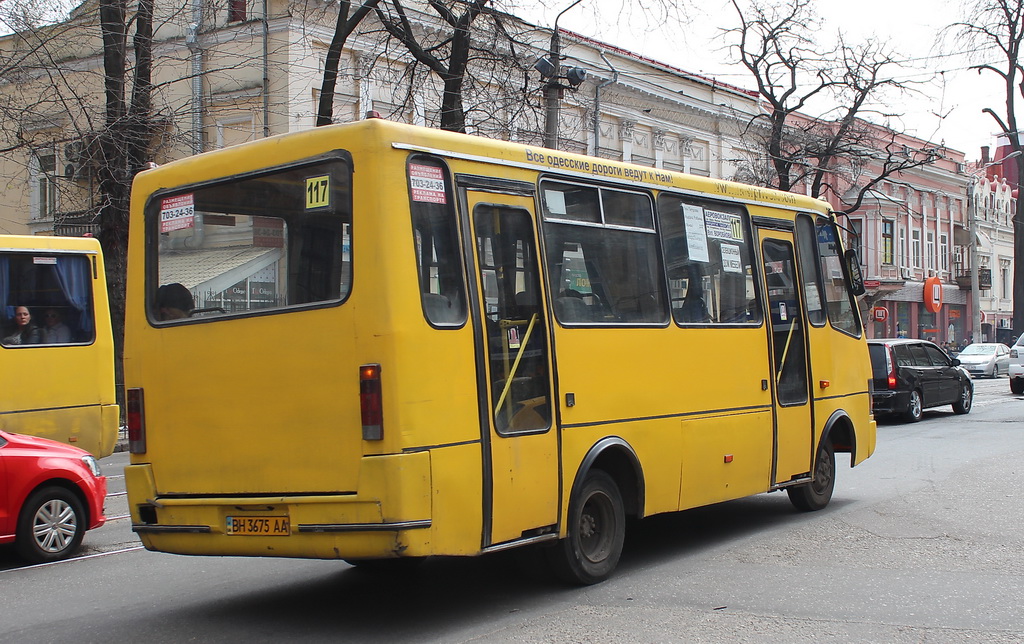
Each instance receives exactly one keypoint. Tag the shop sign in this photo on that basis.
(985, 278)
(933, 294)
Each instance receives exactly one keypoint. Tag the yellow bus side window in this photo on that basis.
(709, 258)
(602, 254)
(435, 230)
(47, 299)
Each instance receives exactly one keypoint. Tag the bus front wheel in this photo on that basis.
(597, 530)
(816, 494)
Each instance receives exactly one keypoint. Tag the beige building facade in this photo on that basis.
(226, 73)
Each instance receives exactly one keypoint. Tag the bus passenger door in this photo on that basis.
(788, 343)
(513, 369)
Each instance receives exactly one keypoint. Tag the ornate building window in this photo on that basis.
(43, 175)
(887, 245)
(236, 10)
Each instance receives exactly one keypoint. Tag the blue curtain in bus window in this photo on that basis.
(73, 277)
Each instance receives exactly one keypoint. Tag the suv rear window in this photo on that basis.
(877, 353)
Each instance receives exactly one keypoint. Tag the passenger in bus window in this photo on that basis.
(54, 330)
(694, 309)
(173, 302)
(24, 332)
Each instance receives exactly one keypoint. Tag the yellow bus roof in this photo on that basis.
(45, 242)
(294, 146)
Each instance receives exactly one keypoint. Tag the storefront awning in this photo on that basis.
(214, 270)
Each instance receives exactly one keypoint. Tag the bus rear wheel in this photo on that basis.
(597, 530)
(816, 494)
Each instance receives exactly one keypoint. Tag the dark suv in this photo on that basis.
(910, 375)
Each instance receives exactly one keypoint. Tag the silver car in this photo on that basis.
(1016, 369)
(985, 359)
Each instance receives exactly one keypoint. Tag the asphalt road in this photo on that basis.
(920, 544)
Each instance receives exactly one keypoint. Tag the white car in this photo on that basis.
(985, 359)
(1016, 366)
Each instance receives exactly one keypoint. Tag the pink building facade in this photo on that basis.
(912, 232)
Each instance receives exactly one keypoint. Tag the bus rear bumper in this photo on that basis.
(319, 526)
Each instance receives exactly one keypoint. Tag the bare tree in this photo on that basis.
(344, 28)
(998, 25)
(793, 74)
(53, 102)
(125, 140)
(450, 43)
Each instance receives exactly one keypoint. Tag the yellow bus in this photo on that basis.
(378, 341)
(56, 345)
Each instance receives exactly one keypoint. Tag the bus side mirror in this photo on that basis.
(853, 267)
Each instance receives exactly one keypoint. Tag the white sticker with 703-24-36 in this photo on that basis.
(427, 183)
(177, 213)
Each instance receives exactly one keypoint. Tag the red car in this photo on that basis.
(50, 494)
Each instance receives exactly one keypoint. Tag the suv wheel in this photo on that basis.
(914, 407)
(966, 400)
(1017, 385)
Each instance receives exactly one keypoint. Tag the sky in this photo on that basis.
(946, 107)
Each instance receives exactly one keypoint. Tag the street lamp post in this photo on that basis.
(553, 90)
(972, 213)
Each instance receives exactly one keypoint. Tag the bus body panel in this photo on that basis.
(726, 456)
(680, 387)
(266, 416)
(61, 391)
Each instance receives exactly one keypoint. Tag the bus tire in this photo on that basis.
(597, 530)
(816, 494)
(51, 525)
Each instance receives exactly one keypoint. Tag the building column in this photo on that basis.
(626, 139)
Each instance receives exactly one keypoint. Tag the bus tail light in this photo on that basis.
(136, 417)
(371, 407)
